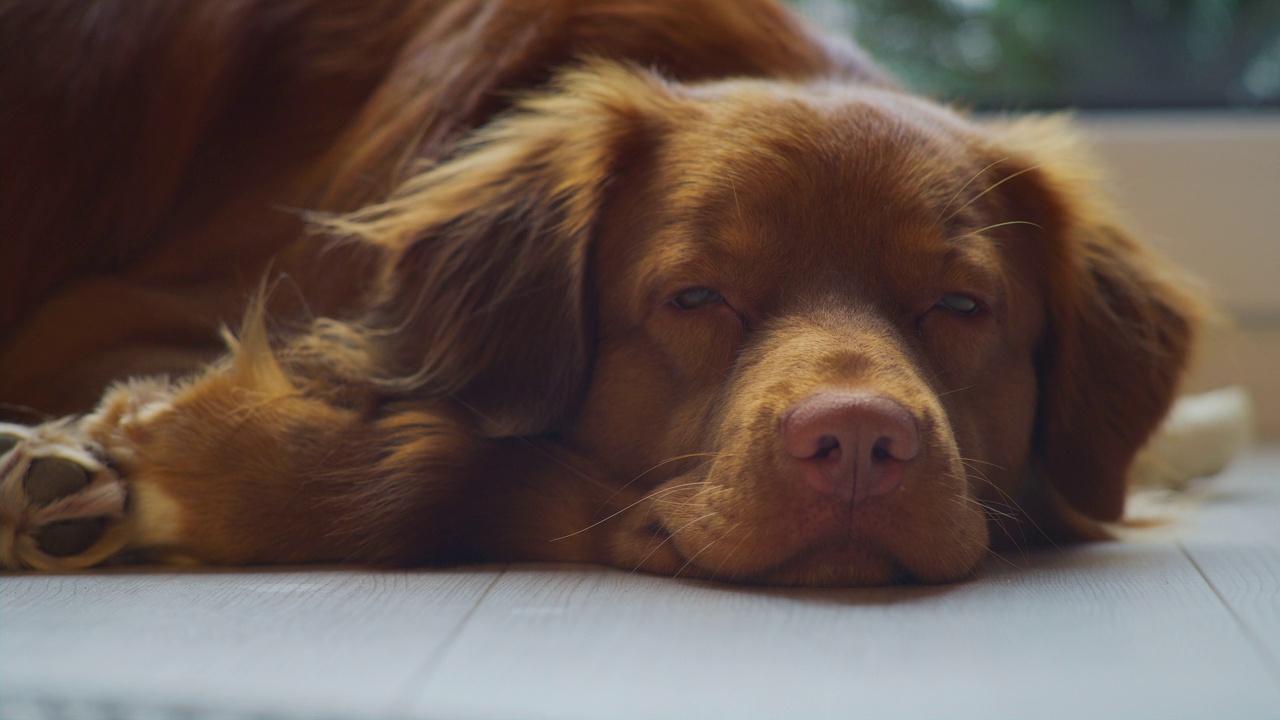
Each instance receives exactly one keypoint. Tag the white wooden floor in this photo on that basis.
(1181, 624)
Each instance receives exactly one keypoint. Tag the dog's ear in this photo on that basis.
(484, 293)
(1121, 324)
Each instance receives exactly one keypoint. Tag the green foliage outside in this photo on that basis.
(1022, 54)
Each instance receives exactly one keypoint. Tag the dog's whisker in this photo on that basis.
(1016, 517)
(983, 462)
(689, 561)
(991, 187)
(1023, 514)
(934, 378)
(689, 501)
(973, 472)
(988, 509)
(657, 494)
(670, 535)
(691, 558)
(966, 387)
(1003, 559)
(677, 504)
(968, 474)
(1003, 507)
(741, 542)
(966, 187)
(674, 503)
(1007, 534)
(737, 206)
(677, 458)
(993, 226)
(1018, 543)
(1014, 511)
(970, 469)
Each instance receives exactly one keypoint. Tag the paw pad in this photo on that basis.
(64, 538)
(53, 478)
(60, 506)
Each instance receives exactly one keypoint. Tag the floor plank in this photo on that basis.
(1234, 540)
(338, 643)
(1112, 631)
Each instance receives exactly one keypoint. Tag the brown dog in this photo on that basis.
(679, 286)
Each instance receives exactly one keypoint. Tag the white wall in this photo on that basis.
(1205, 188)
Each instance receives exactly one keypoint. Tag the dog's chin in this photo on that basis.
(845, 563)
(838, 563)
(688, 539)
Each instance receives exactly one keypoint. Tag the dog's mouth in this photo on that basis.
(856, 561)
(747, 532)
(846, 562)
(838, 562)
(727, 523)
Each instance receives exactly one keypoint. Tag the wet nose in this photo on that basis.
(854, 444)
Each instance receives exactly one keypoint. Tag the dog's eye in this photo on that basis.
(958, 304)
(695, 298)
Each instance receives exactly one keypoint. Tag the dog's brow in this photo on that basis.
(973, 266)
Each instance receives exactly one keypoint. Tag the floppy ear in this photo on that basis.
(483, 294)
(1122, 321)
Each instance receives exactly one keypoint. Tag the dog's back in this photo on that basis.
(157, 157)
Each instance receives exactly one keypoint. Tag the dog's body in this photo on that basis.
(679, 286)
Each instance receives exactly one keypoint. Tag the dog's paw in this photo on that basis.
(61, 505)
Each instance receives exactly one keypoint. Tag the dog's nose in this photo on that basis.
(854, 444)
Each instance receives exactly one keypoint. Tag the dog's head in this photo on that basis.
(826, 331)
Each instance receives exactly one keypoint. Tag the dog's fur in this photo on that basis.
(676, 285)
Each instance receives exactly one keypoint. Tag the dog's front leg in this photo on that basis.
(238, 465)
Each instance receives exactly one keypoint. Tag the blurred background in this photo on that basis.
(1182, 98)
(1096, 54)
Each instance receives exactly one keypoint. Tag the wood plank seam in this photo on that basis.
(402, 706)
(1269, 660)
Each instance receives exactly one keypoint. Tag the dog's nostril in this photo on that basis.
(881, 450)
(826, 445)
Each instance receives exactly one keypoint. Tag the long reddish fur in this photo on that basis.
(220, 123)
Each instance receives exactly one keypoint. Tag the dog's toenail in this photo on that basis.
(53, 478)
(7, 443)
(70, 537)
